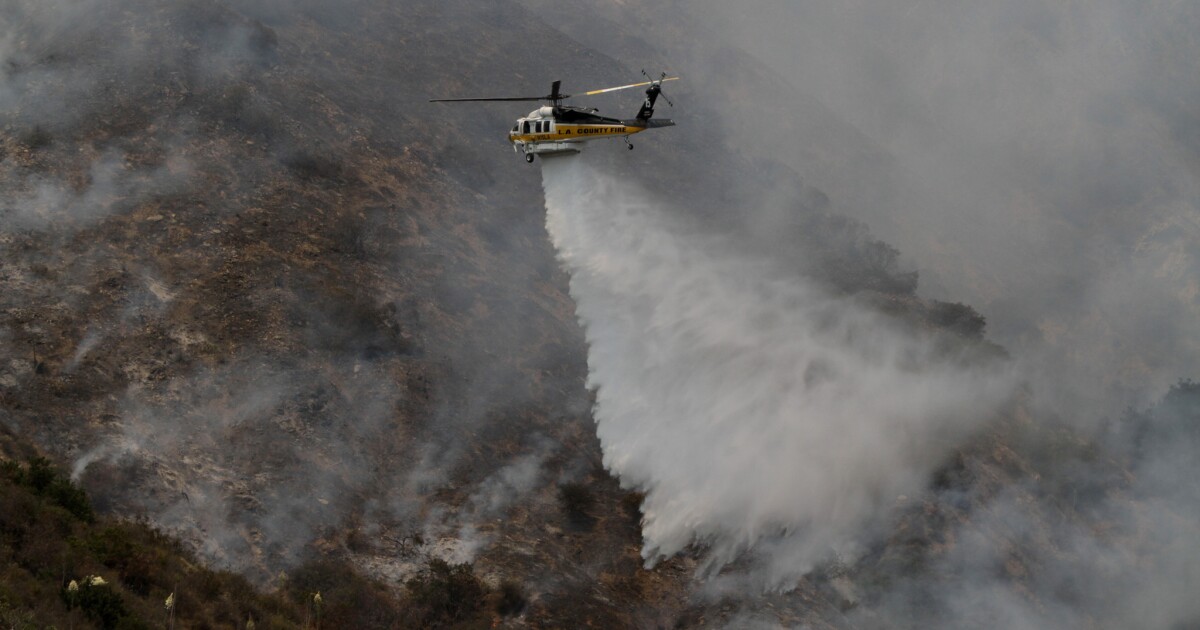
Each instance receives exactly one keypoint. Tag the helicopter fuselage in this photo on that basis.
(558, 128)
(551, 130)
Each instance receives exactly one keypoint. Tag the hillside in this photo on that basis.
(281, 327)
(274, 312)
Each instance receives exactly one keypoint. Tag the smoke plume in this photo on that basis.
(1042, 162)
(754, 410)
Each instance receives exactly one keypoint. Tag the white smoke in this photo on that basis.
(757, 412)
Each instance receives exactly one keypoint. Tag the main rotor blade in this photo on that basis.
(464, 100)
(632, 85)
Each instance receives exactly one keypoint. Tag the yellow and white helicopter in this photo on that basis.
(557, 129)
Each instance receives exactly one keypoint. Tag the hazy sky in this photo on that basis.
(1045, 163)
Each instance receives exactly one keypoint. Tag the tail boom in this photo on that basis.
(649, 123)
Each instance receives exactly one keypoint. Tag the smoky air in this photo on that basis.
(894, 328)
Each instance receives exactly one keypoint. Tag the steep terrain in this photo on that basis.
(261, 294)
(269, 324)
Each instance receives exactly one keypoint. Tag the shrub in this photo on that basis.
(39, 475)
(311, 167)
(349, 599)
(16, 619)
(37, 138)
(512, 600)
(112, 546)
(575, 499)
(46, 481)
(98, 601)
(72, 498)
(42, 541)
(445, 593)
(632, 504)
(958, 318)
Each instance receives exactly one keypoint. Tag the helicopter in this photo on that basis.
(557, 129)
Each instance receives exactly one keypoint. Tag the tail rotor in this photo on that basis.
(658, 82)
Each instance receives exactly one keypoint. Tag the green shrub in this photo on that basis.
(39, 475)
(72, 498)
(42, 537)
(46, 481)
(14, 619)
(98, 601)
(135, 560)
(112, 546)
(348, 598)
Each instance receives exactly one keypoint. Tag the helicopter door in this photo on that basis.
(526, 131)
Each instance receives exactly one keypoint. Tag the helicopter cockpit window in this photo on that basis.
(526, 126)
(517, 127)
